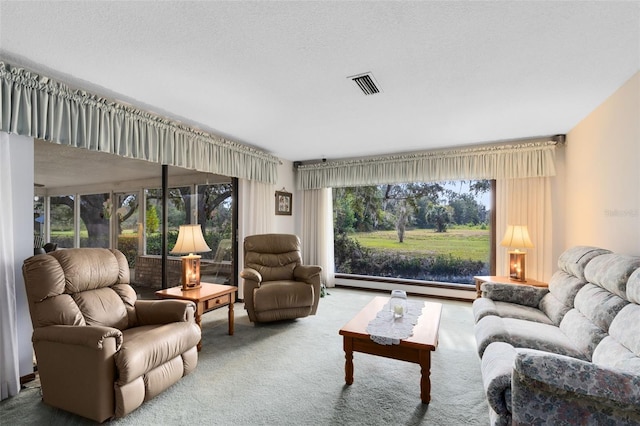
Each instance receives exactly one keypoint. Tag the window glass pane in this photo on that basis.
(153, 218)
(95, 213)
(179, 204)
(214, 217)
(422, 231)
(129, 231)
(62, 232)
(38, 222)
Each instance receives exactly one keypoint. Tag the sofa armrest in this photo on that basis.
(150, 312)
(307, 273)
(77, 368)
(251, 275)
(552, 387)
(525, 295)
(310, 274)
(252, 280)
(92, 337)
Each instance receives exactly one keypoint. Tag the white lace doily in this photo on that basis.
(387, 330)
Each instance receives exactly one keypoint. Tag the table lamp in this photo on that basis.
(190, 241)
(517, 236)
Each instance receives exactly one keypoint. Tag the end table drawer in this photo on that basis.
(218, 301)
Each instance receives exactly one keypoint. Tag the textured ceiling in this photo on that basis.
(60, 167)
(273, 74)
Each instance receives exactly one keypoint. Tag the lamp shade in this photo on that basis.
(517, 236)
(190, 240)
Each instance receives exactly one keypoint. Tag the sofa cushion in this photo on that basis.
(562, 292)
(611, 272)
(525, 334)
(565, 287)
(633, 287)
(103, 307)
(147, 347)
(47, 272)
(274, 256)
(599, 305)
(272, 266)
(282, 295)
(91, 269)
(583, 334)
(610, 353)
(483, 307)
(621, 349)
(574, 260)
(553, 308)
(58, 310)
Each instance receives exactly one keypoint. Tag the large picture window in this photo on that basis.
(421, 231)
(132, 221)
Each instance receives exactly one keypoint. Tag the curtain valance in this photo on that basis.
(532, 159)
(37, 106)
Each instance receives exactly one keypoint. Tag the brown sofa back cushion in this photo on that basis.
(274, 256)
(86, 286)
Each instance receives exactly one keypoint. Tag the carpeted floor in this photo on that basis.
(292, 373)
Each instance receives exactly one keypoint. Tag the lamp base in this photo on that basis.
(517, 266)
(190, 272)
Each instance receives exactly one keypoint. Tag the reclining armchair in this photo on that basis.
(100, 352)
(277, 286)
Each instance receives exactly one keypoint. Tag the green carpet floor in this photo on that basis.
(292, 373)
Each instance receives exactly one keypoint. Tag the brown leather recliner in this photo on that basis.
(100, 352)
(277, 286)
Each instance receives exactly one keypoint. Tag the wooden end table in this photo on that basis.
(417, 348)
(207, 298)
(503, 280)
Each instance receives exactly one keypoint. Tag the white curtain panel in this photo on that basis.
(317, 232)
(9, 358)
(506, 161)
(37, 106)
(257, 214)
(526, 202)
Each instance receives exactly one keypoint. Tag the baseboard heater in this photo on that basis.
(452, 291)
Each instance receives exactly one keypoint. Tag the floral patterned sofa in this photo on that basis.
(569, 354)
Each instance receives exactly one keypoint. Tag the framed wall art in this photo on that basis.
(283, 202)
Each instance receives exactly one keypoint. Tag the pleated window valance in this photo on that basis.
(37, 106)
(532, 159)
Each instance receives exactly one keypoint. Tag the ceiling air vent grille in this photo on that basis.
(366, 83)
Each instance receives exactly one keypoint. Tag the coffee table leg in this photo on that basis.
(231, 317)
(425, 376)
(348, 355)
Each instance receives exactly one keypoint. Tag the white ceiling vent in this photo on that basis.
(366, 83)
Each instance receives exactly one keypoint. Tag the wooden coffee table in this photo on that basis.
(416, 349)
(207, 298)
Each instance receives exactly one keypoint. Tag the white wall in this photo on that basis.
(602, 166)
(21, 149)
